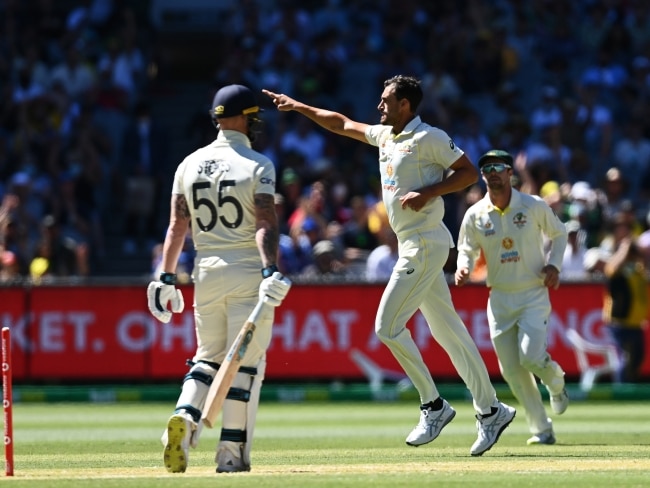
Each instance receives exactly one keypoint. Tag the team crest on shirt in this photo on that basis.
(213, 166)
(509, 255)
(405, 148)
(519, 220)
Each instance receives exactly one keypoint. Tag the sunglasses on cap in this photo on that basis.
(498, 167)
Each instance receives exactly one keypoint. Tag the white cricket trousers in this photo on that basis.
(225, 293)
(418, 282)
(518, 323)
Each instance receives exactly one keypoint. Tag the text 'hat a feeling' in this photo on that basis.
(232, 100)
(504, 156)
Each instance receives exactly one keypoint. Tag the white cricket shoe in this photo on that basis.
(559, 402)
(547, 437)
(557, 391)
(229, 458)
(490, 428)
(431, 424)
(177, 444)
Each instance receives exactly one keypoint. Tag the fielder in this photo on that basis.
(413, 159)
(225, 192)
(510, 227)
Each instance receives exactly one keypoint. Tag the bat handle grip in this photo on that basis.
(257, 311)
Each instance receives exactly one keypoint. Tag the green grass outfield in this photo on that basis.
(330, 444)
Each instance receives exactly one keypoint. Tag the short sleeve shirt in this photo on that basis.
(511, 240)
(219, 182)
(416, 157)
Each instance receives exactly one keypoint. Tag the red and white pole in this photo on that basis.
(7, 401)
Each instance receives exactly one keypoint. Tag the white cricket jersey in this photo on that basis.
(512, 240)
(219, 182)
(416, 157)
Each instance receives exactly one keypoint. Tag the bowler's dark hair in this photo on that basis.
(406, 87)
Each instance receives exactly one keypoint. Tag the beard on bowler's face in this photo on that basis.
(495, 183)
(387, 119)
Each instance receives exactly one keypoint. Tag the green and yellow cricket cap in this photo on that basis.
(232, 100)
(503, 156)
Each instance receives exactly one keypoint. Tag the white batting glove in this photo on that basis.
(160, 294)
(274, 288)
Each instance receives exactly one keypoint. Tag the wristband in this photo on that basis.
(168, 278)
(269, 270)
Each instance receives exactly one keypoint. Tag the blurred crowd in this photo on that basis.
(76, 79)
(564, 86)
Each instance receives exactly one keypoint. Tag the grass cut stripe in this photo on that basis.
(330, 445)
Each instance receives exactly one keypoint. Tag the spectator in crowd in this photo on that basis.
(583, 205)
(58, 255)
(574, 254)
(377, 217)
(593, 29)
(291, 189)
(326, 265)
(548, 150)
(643, 241)
(611, 62)
(307, 142)
(26, 89)
(9, 267)
(623, 221)
(472, 136)
(13, 234)
(313, 204)
(74, 72)
(595, 120)
(356, 232)
(551, 193)
(145, 169)
(382, 259)
(594, 262)
(29, 63)
(625, 308)
(632, 155)
(125, 62)
(82, 193)
(640, 76)
(340, 202)
(296, 248)
(26, 208)
(548, 112)
(613, 194)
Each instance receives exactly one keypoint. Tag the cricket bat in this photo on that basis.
(228, 369)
